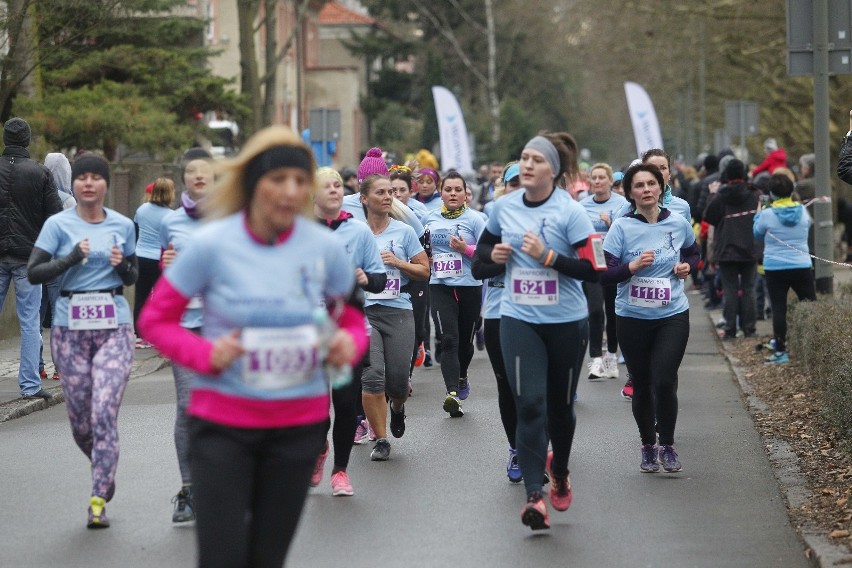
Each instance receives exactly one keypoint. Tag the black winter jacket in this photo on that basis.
(27, 198)
(732, 212)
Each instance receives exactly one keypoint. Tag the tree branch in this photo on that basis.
(301, 11)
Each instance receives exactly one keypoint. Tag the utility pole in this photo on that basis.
(823, 232)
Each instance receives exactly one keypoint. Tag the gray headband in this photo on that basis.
(543, 145)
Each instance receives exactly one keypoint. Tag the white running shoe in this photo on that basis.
(596, 369)
(610, 365)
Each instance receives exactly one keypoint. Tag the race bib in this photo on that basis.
(447, 264)
(649, 292)
(195, 303)
(280, 357)
(392, 287)
(535, 286)
(92, 311)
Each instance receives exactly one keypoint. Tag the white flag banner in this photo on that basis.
(455, 146)
(646, 128)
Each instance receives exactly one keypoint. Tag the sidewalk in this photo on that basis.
(12, 406)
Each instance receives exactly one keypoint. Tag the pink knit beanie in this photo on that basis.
(372, 164)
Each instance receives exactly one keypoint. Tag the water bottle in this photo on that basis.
(427, 241)
(338, 377)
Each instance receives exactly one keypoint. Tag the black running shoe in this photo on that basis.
(397, 421)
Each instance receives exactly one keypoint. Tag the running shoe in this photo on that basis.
(362, 435)
(464, 388)
(55, 376)
(560, 493)
(184, 510)
(427, 359)
(381, 451)
(397, 421)
(480, 339)
(668, 459)
(97, 514)
(42, 374)
(621, 359)
(649, 459)
(142, 344)
(777, 358)
(452, 405)
(610, 365)
(596, 369)
(513, 470)
(534, 513)
(316, 476)
(421, 355)
(627, 391)
(371, 434)
(340, 485)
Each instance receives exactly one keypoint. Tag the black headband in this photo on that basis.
(274, 158)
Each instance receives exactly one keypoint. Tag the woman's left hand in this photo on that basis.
(390, 259)
(681, 269)
(341, 349)
(360, 277)
(532, 245)
(457, 244)
(115, 256)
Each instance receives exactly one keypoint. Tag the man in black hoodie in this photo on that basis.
(731, 211)
(27, 198)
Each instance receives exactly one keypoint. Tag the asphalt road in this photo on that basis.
(443, 498)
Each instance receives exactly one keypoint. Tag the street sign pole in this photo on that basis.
(823, 230)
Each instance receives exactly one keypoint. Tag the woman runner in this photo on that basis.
(92, 249)
(259, 403)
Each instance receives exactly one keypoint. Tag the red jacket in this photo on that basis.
(776, 159)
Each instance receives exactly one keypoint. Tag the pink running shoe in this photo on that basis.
(316, 476)
(534, 514)
(340, 485)
(560, 487)
(370, 433)
(362, 435)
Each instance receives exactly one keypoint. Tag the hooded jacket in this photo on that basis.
(732, 212)
(784, 230)
(60, 168)
(27, 198)
(774, 160)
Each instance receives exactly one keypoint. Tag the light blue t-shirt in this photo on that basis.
(357, 240)
(776, 255)
(148, 218)
(627, 239)
(176, 229)
(352, 204)
(246, 284)
(59, 236)
(493, 296)
(419, 209)
(467, 226)
(559, 222)
(399, 239)
(594, 209)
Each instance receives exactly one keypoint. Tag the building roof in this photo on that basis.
(334, 14)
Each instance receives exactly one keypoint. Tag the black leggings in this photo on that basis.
(455, 309)
(345, 403)
(505, 398)
(779, 282)
(149, 272)
(600, 298)
(419, 291)
(249, 486)
(653, 350)
(542, 364)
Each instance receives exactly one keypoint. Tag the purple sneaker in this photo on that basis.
(649, 459)
(464, 388)
(668, 458)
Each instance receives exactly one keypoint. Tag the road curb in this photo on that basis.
(21, 407)
(791, 480)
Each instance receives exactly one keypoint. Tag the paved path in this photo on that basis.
(443, 498)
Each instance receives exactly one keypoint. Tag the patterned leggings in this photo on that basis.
(95, 367)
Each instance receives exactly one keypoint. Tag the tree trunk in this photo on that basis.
(14, 65)
(270, 68)
(249, 79)
(493, 97)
